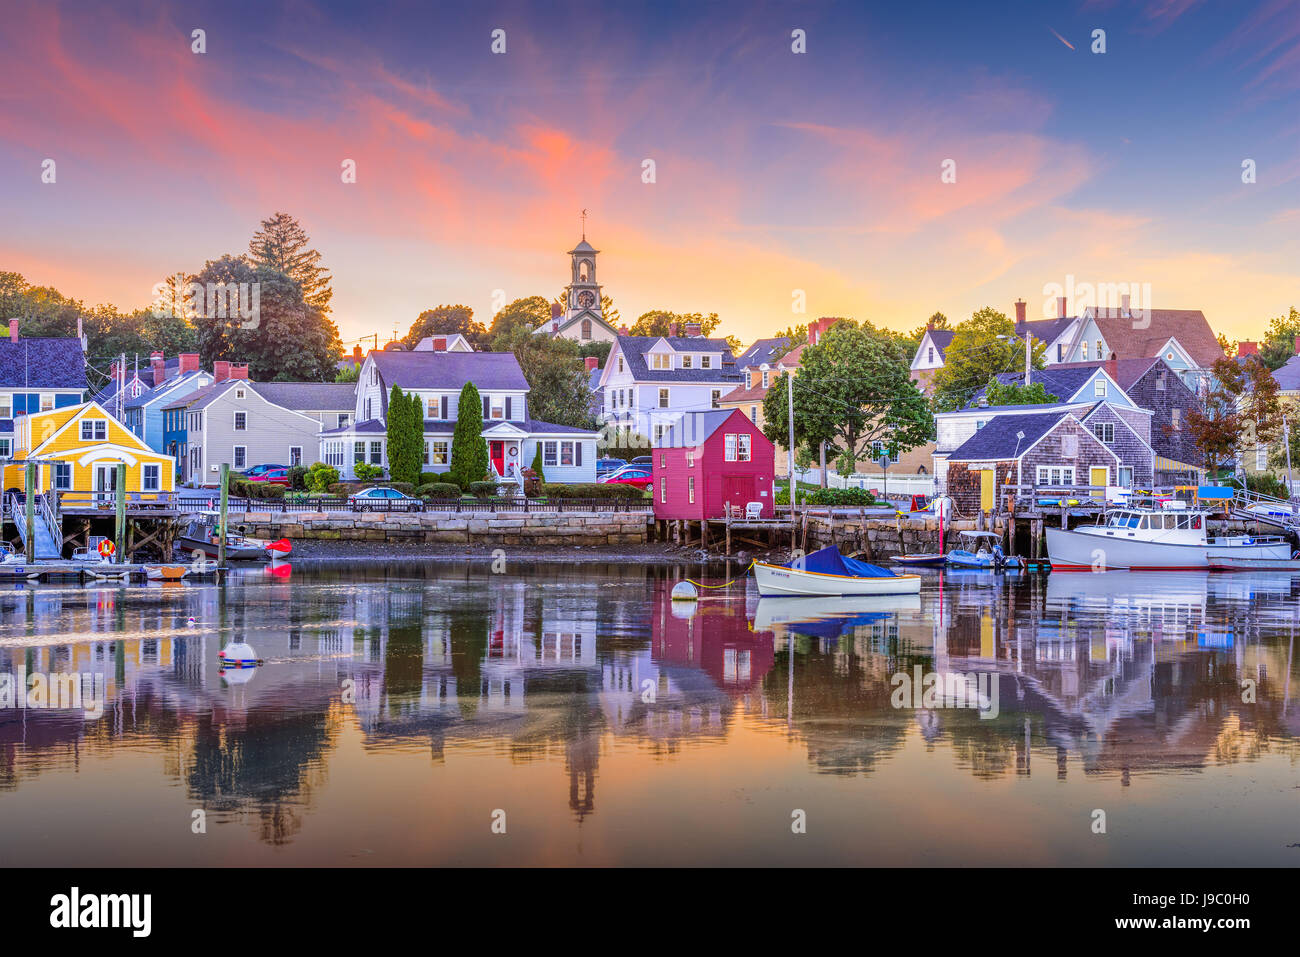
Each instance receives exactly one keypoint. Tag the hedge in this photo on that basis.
(591, 490)
(438, 490)
(483, 489)
(829, 496)
(434, 478)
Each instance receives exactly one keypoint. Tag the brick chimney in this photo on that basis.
(623, 330)
(440, 344)
(817, 328)
(13, 330)
(159, 368)
(220, 370)
(1020, 312)
(693, 328)
(1297, 345)
(189, 362)
(592, 362)
(1060, 307)
(357, 357)
(555, 328)
(239, 370)
(672, 330)
(1125, 302)
(1247, 348)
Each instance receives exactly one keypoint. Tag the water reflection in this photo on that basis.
(591, 676)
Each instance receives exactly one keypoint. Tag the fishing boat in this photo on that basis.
(200, 536)
(827, 572)
(985, 551)
(1169, 537)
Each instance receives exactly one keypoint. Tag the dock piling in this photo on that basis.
(29, 489)
(119, 528)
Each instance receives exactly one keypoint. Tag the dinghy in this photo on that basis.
(987, 552)
(827, 572)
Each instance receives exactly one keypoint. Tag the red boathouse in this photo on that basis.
(710, 459)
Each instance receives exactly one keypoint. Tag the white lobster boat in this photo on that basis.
(1150, 538)
(827, 572)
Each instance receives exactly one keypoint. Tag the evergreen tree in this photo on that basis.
(405, 436)
(469, 452)
(281, 244)
(537, 463)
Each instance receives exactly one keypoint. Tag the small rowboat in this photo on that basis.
(167, 573)
(827, 572)
(920, 561)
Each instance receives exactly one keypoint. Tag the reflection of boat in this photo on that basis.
(987, 554)
(827, 572)
(1136, 538)
(791, 610)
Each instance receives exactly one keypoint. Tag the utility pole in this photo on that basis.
(1286, 437)
(789, 451)
(1029, 351)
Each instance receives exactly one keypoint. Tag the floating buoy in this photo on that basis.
(191, 622)
(237, 654)
(685, 591)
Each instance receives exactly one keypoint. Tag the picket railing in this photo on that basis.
(472, 506)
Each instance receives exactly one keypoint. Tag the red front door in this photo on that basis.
(738, 490)
(499, 457)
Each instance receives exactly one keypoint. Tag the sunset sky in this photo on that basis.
(775, 171)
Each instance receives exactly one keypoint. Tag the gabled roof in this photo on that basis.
(1288, 376)
(1045, 330)
(694, 428)
(42, 363)
(1062, 381)
(761, 351)
(309, 396)
(202, 398)
(158, 392)
(942, 339)
(635, 348)
(1127, 371)
(450, 370)
(1130, 338)
(997, 440)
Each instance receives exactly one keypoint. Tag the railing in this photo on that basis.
(107, 500)
(46, 514)
(471, 506)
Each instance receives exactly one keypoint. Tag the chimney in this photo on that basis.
(440, 344)
(1297, 345)
(1247, 348)
(556, 310)
(356, 355)
(1112, 367)
(1060, 307)
(623, 330)
(220, 370)
(13, 330)
(159, 368)
(692, 329)
(672, 330)
(189, 362)
(555, 328)
(1124, 302)
(1020, 312)
(592, 362)
(239, 370)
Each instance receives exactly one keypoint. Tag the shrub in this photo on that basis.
(537, 464)
(298, 477)
(320, 477)
(406, 488)
(854, 497)
(591, 490)
(433, 478)
(366, 472)
(346, 488)
(1266, 483)
(441, 490)
(483, 489)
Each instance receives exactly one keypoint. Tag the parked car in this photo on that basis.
(633, 475)
(278, 476)
(257, 470)
(645, 460)
(381, 499)
(605, 466)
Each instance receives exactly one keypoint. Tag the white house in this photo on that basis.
(649, 381)
(437, 378)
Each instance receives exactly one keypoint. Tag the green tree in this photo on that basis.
(349, 373)
(982, 347)
(656, 321)
(558, 384)
(1280, 342)
(282, 244)
(405, 436)
(936, 321)
(528, 313)
(289, 339)
(537, 463)
(999, 393)
(852, 389)
(469, 452)
(444, 321)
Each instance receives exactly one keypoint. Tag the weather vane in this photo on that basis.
(584, 224)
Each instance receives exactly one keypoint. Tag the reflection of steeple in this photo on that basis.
(581, 755)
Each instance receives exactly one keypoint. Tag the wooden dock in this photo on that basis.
(48, 571)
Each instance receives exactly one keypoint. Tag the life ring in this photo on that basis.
(106, 548)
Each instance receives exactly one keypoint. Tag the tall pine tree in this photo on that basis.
(469, 452)
(282, 244)
(405, 436)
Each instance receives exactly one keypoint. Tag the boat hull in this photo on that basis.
(779, 580)
(921, 561)
(1069, 550)
(234, 553)
(960, 558)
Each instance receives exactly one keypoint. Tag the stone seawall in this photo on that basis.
(449, 528)
(882, 538)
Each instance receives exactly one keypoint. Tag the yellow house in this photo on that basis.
(77, 450)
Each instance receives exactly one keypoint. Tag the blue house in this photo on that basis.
(37, 375)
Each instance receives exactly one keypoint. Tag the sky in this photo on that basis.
(782, 180)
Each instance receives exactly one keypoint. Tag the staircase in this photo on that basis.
(1248, 506)
(47, 529)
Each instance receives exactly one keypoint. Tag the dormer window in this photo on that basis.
(767, 381)
(661, 360)
(706, 362)
(686, 361)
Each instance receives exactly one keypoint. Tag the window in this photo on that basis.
(690, 489)
(663, 398)
(929, 355)
(6, 448)
(706, 362)
(1176, 419)
(1100, 354)
(566, 453)
(620, 363)
(437, 452)
(979, 424)
(151, 480)
(47, 401)
(368, 415)
(240, 393)
(94, 430)
(1055, 475)
(663, 460)
(586, 328)
(716, 398)
(550, 453)
(1099, 388)
(1060, 352)
(241, 421)
(1261, 457)
(344, 419)
(663, 489)
(6, 405)
(1083, 349)
(686, 361)
(661, 360)
(1105, 431)
(1125, 476)
(358, 451)
(376, 453)
(753, 414)
(1160, 381)
(878, 449)
(660, 429)
(241, 457)
(730, 453)
(767, 381)
(742, 447)
(295, 455)
(63, 475)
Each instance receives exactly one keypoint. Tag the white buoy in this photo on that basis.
(191, 622)
(237, 654)
(685, 591)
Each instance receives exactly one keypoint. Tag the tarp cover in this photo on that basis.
(1215, 492)
(829, 561)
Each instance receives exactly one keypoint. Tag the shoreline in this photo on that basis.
(327, 552)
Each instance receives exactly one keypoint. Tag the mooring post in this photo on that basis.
(225, 511)
(29, 486)
(119, 529)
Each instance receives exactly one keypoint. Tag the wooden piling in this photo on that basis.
(119, 526)
(225, 509)
(29, 488)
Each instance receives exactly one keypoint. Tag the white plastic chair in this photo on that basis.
(753, 510)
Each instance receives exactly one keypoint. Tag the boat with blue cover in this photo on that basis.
(827, 572)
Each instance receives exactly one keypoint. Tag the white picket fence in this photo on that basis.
(895, 486)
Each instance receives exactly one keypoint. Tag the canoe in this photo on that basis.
(827, 572)
(920, 561)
